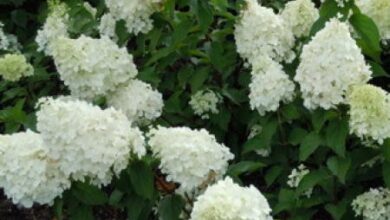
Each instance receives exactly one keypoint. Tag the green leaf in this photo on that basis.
(272, 174)
(329, 9)
(13, 93)
(290, 112)
(181, 30)
(235, 95)
(199, 78)
(121, 32)
(263, 140)
(203, 13)
(169, 7)
(142, 177)
(286, 201)
(311, 180)
(115, 197)
(58, 208)
(134, 206)
(386, 173)
(81, 20)
(171, 207)
(337, 210)
(319, 117)
(173, 104)
(89, 194)
(377, 69)
(366, 28)
(223, 57)
(150, 75)
(244, 167)
(336, 136)
(297, 135)
(220, 4)
(339, 167)
(159, 55)
(222, 119)
(184, 75)
(386, 149)
(309, 144)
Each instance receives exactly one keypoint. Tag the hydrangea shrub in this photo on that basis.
(196, 110)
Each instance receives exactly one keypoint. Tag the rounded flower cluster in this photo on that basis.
(373, 205)
(87, 141)
(300, 16)
(204, 102)
(3, 38)
(261, 33)
(270, 86)
(136, 13)
(92, 67)
(138, 100)
(107, 26)
(226, 200)
(27, 175)
(188, 156)
(8, 42)
(330, 64)
(56, 26)
(15, 66)
(296, 177)
(379, 11)
(369, 112)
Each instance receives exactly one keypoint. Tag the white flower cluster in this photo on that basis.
(379, 11)
(296, 176)
(226, 200)
(188, 156)
(269, 87)
(369, 112)
(8, 42)
(56, 26)
(263, 38)
(373, 205)
(138, 100)
(27, 175)
(136, 13)
(15, 66)
(205, 102)
(92, 67)
(87, 141)
(300, 16)
(330, 64)
(261, 33)
(107, 26)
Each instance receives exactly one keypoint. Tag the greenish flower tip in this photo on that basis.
(372, 99)
(15, 66)
(369, 113)
(57, 8)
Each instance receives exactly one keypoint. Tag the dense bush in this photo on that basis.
(148, 109)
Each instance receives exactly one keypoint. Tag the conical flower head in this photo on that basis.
(261, 33)
(330, 64)
(369, 112)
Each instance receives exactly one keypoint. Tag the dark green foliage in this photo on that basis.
(203, 30)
